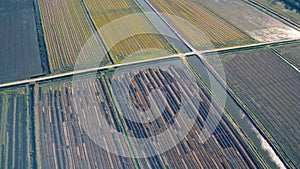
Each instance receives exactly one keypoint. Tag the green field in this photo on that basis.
(14, 129)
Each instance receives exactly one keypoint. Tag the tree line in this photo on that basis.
(291, 4)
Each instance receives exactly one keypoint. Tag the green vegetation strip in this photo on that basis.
(120, 119)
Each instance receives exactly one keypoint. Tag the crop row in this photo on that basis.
(125, 29)
(204, 25)
(63, 141)
(14, 129)
(222, 149)
(269, 87)
(68, 25)
(67, 29)
(63, 109)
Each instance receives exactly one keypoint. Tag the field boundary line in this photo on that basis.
(99, 37)
(284, 59)
(82, 71)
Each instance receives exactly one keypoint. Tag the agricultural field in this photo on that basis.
(64, 142)
(19, 48)
(290, 52)
(222, 149)
(67, 29)
(281, 8)
(126, 30)
(256, 23)
(14, 129)
(140, 84)
(269, 88)
(205, 30)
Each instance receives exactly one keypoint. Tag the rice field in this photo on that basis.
(69, 25)
(67, 29)
(206, 26)
(14, 129)
(269, 88)
(189, 153)
(64, 142)
(19, 47)
(42, 124)
(126, 30)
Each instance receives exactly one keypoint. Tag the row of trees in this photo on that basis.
(292, 4)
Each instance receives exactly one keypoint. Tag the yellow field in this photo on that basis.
(127, 35)
(107, 5)
(66, 30)
(215, 29)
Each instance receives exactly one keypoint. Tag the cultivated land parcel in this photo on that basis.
(19, 48)
(62, 138)
(39, 119)
(269, 88)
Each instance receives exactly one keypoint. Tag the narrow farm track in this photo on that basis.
(41, 39)
(178, 34)
(95, 29)
(71, 73)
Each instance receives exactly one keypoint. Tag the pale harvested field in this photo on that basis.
(256, 23)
